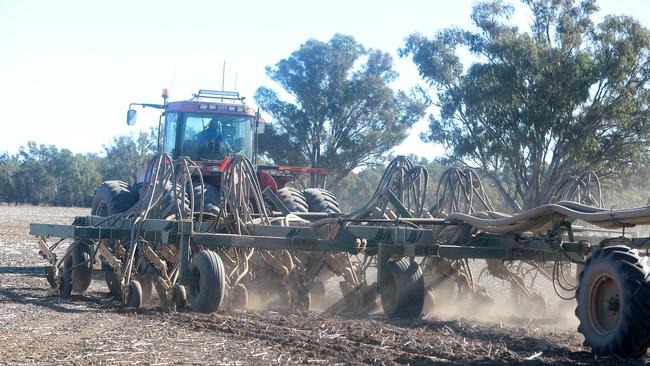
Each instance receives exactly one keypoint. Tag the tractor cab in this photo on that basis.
(210, 127)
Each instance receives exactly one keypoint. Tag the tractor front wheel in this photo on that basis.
(112, 197)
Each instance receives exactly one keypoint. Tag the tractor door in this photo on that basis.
(170, 128)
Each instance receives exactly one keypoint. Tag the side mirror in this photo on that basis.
(131, 116)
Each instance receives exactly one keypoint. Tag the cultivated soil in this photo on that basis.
(38, 327)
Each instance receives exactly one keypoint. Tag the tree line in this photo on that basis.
(41, 174)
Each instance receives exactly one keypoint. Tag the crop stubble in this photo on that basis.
(37, 327)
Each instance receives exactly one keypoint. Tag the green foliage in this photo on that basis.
(564, 97)
(127, 155)
(43, 174)
(356, 188)
(633, 191)
(344, 114)
(40, 174)
(7, 169)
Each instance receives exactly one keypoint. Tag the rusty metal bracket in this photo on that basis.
(105, 253)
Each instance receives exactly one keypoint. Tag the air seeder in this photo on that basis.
(206, 226)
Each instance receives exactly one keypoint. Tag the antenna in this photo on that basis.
(235, 82)
(223, 76)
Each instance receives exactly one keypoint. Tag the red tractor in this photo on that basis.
(210, 129)
(213, 126)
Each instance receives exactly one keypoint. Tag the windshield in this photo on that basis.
(213, 137)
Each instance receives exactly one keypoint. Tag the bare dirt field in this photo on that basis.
(37, 327)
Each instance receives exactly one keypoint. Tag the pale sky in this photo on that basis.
(69, 69)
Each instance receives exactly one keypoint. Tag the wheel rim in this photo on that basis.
(604, 298)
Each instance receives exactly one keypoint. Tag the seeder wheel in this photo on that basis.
(135, 295)
(402, 289)
(76, 270)
(208, 288)
(112, 282)
(614, 303)
(180, 296)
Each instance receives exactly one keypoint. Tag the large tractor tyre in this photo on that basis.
(209, 282)
(168, 205)
(321, 200)
(402, 289)
(293, 199)
(316, 192)
(113, 197)
(211, 199)
(614, 303)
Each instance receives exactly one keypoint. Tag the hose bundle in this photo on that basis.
(460, 191)
(407, 182)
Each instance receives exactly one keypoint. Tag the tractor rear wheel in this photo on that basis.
(211, 199)
(112, 197)
(614, 303)
(174, 198)
(293, 199)
(402, 289)
(209, 284)
(321, 200)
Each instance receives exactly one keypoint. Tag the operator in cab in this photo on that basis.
(210, 142)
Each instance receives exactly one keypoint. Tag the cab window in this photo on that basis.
(213, 137)
(169, 140)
